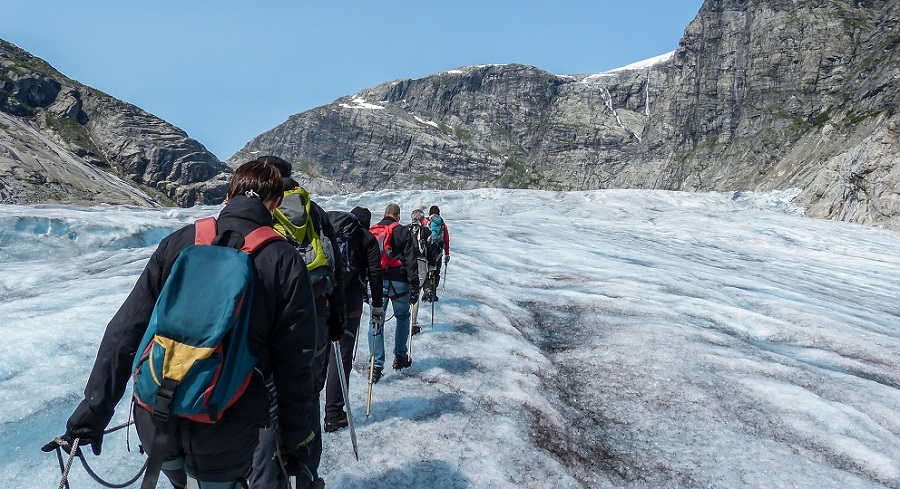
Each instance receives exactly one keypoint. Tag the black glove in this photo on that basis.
(413, 295)
(87, 436)
(336, 323)
(377, 320)
(446, 259)
(296, 458)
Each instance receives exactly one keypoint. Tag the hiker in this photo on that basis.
(400, 286)
(281, 336)
(424, 255)
(363, 271)
(306, 225)
(438, 241)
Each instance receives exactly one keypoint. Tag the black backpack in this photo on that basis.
(346, 230)
(420, 236)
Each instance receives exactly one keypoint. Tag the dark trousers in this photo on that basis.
(334, 397)
(220, 452)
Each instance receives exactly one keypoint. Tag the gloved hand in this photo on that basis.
(446, 259)
(336, 323)
(413, 295)
(295, 458)
(378, 319)
(87, 437)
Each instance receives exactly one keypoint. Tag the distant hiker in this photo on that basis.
(438, 242)
(306, 225)
(400, 286)
(363, 270)
(424, 255)
(280, 337)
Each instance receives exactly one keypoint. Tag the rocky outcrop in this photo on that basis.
(494, 125)
(63, 141)
(776, 94)
(759, 95)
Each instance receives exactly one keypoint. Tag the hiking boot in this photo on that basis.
(401, 362)
(319, 483)
(416, 330)
(332, 425)
(376, 375)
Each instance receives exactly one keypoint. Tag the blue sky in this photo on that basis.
(226, 71)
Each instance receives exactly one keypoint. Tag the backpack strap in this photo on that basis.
(259, 237)
(205, 230)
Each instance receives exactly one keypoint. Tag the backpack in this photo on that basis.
(420, 237)
(384, 234)
(436, 226)
(345, 226)
(294, 219)
(195, 352)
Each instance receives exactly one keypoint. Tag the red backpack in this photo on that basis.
(384, 233)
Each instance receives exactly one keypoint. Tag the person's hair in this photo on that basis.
(434, 210)
(259, 177)
(417, 215)
(392, 210)
(283, 166)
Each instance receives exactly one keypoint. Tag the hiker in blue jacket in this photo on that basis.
(282, 336)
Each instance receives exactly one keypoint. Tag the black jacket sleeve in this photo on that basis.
(293, 341)
(112, 367)
(336, 305)
(373, 270)
(404, 239)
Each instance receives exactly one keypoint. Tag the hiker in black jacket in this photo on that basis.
(400, 286)
(365, 270)
(330, 319)
(282, 337)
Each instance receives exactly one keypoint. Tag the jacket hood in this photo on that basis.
(363, 215)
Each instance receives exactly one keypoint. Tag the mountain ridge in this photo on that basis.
(757, 96)
(67, 142)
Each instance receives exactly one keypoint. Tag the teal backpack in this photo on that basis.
(194, 360)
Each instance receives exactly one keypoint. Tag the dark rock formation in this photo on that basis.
(759, 95)
(63, 141)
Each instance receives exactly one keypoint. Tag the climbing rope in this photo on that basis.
(75, 452)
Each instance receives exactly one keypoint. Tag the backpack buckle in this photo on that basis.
(165, 394)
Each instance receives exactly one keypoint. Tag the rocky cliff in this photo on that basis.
(785, 93)
(759, 95)
(493, 125)
(63, 141)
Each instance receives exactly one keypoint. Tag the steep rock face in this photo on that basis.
(759, 95)
(780, 93)
(496, 125)
(63, 141)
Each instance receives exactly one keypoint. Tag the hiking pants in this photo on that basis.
(354, 295)
(218, 454)
(398, 294)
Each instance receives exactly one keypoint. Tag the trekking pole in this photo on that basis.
(346, 391)
(446, 266)
(371, 377)
(409, 341)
